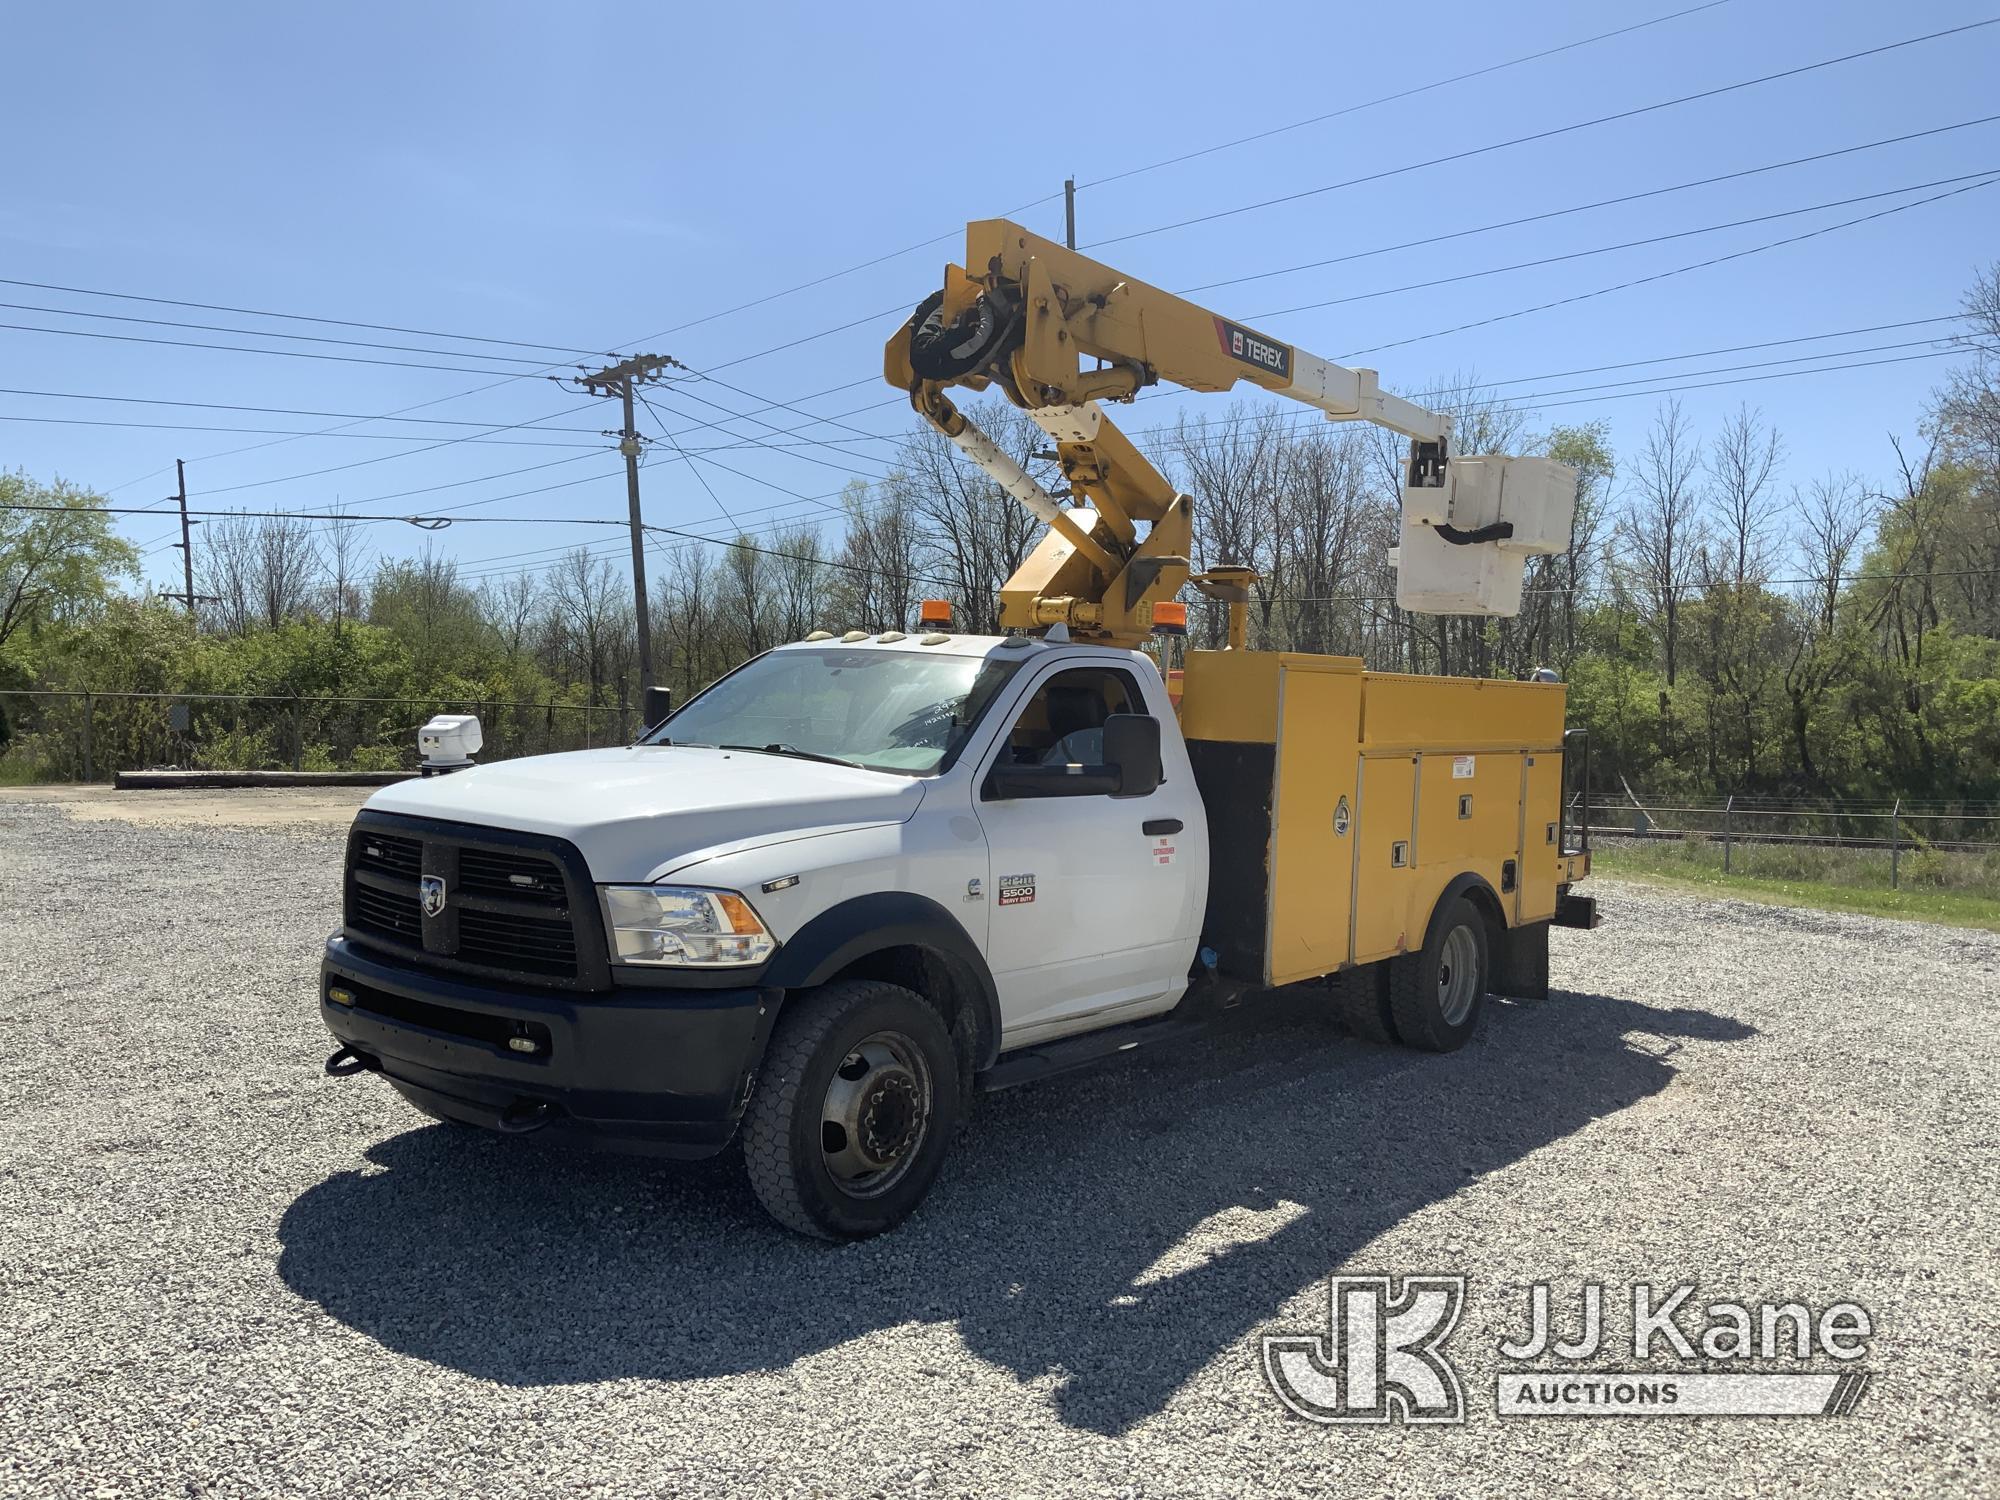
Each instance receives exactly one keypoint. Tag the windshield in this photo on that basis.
(883, 710)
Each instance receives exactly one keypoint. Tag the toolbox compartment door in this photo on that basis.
(1313, 822)
(1384, 874)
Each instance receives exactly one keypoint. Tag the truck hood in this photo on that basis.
(638, 810)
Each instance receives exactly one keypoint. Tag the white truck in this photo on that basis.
(860, 876)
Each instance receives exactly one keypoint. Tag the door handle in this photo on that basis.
(1155, 826)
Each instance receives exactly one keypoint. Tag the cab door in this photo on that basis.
(1094, 901)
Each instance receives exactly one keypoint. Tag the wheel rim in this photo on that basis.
(1458, 975)
(876, 1114)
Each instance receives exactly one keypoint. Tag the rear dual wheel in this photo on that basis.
(1430, 999)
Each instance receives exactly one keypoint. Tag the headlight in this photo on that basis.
(684, 928)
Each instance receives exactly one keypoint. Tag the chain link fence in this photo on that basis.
(1951, 843)
(49, 735)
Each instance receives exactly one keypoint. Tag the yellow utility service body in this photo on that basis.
(1343, 803)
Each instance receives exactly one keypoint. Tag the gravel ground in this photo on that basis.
(223, 1274)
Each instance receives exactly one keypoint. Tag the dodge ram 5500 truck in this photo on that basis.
(856, 879)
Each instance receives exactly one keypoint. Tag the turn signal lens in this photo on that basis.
(1169, 618)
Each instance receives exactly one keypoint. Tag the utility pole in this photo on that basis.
(189, 597)
(1069, 212)
(620, 380)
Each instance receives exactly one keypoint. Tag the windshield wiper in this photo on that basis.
(796, 753)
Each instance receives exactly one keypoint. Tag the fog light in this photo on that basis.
(339, 996)
(523, 1044)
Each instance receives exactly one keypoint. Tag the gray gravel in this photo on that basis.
(223, 1274)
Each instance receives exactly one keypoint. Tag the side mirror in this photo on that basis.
(1132, 748)
(1131, 767)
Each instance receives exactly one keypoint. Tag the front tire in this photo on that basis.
(1437, 993)
(853, 1111)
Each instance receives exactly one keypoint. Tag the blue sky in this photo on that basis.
(587, 177)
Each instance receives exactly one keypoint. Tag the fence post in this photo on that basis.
(1895, 844)
(1728, 831)
(89, 755)
(298, 734)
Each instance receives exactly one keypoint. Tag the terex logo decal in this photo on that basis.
(1254, 349)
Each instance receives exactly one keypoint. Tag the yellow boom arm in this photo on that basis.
(1058, 332)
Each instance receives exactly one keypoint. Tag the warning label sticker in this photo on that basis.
(1163, 851)
(1017, 890)
(1461, 768)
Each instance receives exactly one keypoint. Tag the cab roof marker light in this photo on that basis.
(854, 635)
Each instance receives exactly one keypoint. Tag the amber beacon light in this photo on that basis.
(934, 612)
(1169, 618)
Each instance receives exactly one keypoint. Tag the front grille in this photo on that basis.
(501, 940)
(490, 872)
(515, 905)
(390, 854)
(387, 912)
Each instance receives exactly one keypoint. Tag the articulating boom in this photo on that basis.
(1024, 313)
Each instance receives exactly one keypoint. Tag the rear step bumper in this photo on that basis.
(1577, 911)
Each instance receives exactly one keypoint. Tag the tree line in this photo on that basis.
(1730, 617)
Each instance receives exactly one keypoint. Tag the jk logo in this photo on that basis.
(1383, 1359)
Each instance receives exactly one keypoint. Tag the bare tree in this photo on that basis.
(288, 568)
(1740, 464)
(592, 617)
(748, 580)
(801, 581)
(1834, 516)
(515, 604)
(226, 567)
(877, 565)
(1664, 526)
(345, 556)
(1229, 465)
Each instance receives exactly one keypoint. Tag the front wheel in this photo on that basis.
(853, 1110)
(1436, 994)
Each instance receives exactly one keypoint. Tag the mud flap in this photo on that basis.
(1521, 962)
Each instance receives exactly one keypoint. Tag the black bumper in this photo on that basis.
(665, 1071)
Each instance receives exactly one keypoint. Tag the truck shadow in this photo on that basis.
(1058, 1244)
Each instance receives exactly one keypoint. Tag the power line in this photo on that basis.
(1654, 239)
(259, 333)
(1558, 213)
(253, 312)
(379, 437)
(1398, 96)
(945, 239)
(347, 359)
(1675, 271)
(362, 463)
(1549, 134)
(271, 411)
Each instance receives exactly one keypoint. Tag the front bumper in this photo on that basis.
(665, 1071)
